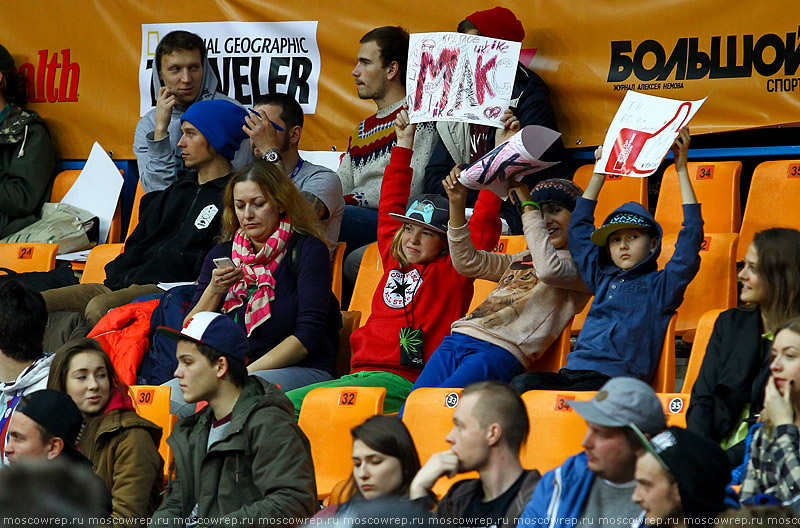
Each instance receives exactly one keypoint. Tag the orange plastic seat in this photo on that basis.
(771, 201)
(716, 185)
(482, 289)
(326, 417)
(555, 356)
(664, 377)
(714, 286)
(62, 183)
(137, 200)
(556, 430)
(28, 256)
(428, 415)
(510, 244)
(675, 406)
(152, 403)
(337, 263)
(350, 321)
(369, 276)
(616, 191)
(705, 327)
(99, 256)
(577, 322)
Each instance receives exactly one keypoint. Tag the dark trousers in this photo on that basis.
(566, 380)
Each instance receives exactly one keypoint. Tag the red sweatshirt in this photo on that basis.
(434, 294)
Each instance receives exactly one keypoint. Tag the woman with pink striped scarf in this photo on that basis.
(285, 315)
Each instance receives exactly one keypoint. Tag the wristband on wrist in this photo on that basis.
(532, 204)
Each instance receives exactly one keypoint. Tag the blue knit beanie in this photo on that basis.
(220, 122)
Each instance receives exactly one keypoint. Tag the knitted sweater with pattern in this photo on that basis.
(369, 151)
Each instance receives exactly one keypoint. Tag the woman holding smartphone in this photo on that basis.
(272, 275)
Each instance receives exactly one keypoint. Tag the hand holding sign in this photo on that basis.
(642, 132)
(512, 160)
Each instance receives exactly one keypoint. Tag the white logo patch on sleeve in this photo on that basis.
(205, 217)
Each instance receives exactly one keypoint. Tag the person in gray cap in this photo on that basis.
(681, 475)
(243, 457)
(595, 486)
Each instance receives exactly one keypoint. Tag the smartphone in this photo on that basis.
(223, 262)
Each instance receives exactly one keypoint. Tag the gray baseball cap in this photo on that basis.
(622, 401)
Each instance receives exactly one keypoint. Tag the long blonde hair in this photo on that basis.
(280, 191)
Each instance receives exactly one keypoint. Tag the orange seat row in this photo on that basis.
(556, 431)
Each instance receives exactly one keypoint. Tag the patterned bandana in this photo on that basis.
(630, 218)
(258, 269)
(622, 220)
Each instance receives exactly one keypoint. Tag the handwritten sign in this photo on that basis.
(642, 133)
(510, 161)
(460, 77)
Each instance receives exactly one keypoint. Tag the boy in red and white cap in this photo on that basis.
(220, 470)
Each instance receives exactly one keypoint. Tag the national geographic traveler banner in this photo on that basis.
(248, 58)
(85, 59)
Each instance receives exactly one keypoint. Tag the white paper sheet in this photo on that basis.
(77, 256)
(97, 189)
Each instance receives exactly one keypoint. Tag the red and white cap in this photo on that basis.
(216, 330)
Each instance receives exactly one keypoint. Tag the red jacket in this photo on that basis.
(124, 333)
(438, 294)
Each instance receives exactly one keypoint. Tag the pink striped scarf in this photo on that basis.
(258, 269)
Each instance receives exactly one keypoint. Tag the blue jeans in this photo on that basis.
(462, 359)
(359, 227)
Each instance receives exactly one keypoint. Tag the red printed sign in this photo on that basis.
(347, 398)
(705, 245)
(705, 172)
(794, 171)
(145, 396)
(562, 403)
(25, 253)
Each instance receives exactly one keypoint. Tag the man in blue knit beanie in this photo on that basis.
(177, 225)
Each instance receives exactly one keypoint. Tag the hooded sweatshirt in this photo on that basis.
(260, 470)
(31, 379)
(28, 164)
(624, 329)
(159, 161)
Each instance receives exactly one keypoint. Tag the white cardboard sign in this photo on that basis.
(97, 188)
(459, 77)
(642, 132)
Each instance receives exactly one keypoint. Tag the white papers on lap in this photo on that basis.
(460, 77)
(97, 188)
(169, 285)
(642, 132)
(511, 161)
(77, 256)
